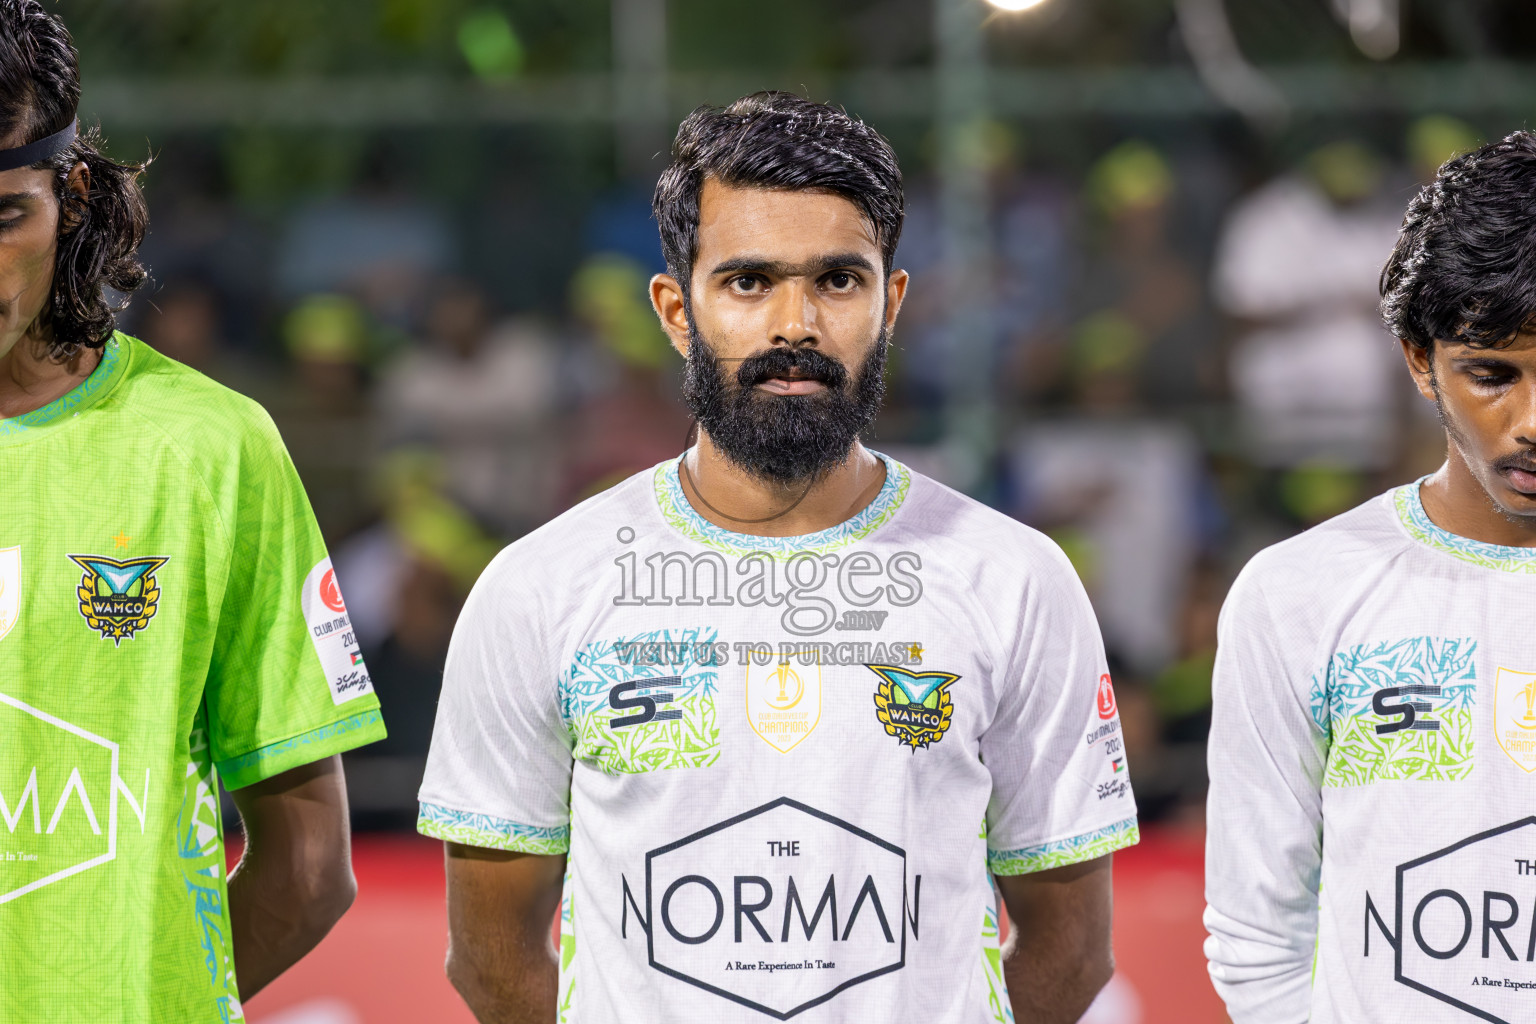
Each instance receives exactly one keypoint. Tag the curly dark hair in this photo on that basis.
(1464, 267)
(100, 232)
(775, 140)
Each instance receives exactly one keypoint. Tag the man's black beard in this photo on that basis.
(783, 438)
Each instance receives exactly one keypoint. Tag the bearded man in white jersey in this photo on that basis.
(774, 713)
(1372, 846)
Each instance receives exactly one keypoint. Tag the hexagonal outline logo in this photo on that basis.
(783, 801)
(86, 865)
(1402, 870)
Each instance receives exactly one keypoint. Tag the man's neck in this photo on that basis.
(728, 496)
(1455, 501)
(29, 379)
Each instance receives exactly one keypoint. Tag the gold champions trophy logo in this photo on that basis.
(1514, 716)
(788, 677)
(783, 703)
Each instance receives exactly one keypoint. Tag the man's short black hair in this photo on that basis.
(99, 234)
(775, 140)
(1464, 267)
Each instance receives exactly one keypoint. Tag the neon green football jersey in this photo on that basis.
(167, 611)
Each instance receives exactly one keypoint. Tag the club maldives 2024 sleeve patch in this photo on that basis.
(330, 629)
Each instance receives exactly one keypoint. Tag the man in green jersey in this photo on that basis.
(168, 618)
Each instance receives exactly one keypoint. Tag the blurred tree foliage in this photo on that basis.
(326, 37)
(337, 37)
(507, 40)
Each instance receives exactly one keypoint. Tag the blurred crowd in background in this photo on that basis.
(450, 325)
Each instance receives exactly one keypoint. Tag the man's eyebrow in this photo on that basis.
(1485, 362)
(15, 198)
(779, 268)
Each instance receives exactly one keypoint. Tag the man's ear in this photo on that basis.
(1421, 363)
(671, 308)
(78, 183)
(895, 294)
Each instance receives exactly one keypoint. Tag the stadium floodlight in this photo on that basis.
(1015, 5)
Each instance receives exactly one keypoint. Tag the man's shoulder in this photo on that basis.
(964, 528)
(1322, 565)
(191, 409)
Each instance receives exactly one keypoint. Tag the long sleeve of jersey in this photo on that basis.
(1264, 840)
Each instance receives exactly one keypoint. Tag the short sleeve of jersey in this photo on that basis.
(1061, 792)
(499, 771)
(287, 685)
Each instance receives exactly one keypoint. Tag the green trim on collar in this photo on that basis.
(1410, 512)
(679, 514)
(114, 360)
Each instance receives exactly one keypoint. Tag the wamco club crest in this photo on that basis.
(914, 707)
(118, 598)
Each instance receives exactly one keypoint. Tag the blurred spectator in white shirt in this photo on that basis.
(1314, 373)
(481, 394)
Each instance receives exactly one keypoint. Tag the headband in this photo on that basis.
(34, 152)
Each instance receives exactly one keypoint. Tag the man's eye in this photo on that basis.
(1492, 380)
(840, 280)
(745, 284)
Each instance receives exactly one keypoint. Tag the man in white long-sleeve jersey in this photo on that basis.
(1372, 845)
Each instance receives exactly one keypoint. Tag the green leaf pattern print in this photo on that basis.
(689, 741)
(1342, 707)
(1074, 850)
(1410, 511)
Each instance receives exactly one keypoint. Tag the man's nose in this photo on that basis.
(794, 316)
(1525, 414)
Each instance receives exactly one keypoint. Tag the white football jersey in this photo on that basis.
(781, 767)
(1371, 855)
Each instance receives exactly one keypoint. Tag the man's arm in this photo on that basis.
(1059, 954)
(294, 880)
(500, 909)
(1264, 813)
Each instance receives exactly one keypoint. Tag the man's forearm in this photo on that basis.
(516, 983)
(1059, 955)
(501, 905)
(295, 880)
(277, 917)
(1048, 983)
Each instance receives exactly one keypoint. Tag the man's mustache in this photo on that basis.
(803, 363)
(1516, 460)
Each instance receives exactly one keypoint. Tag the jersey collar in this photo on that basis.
(114, 360)
(1410, 512)
(679, 513)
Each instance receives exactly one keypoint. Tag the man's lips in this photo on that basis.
(1522, 480)
(791, 385)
